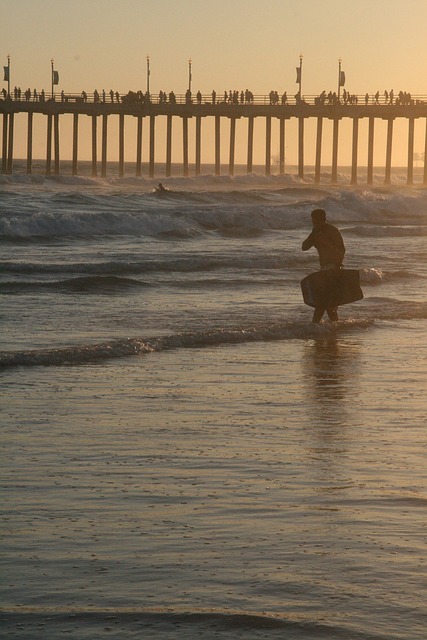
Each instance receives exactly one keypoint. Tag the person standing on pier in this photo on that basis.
(330, 246)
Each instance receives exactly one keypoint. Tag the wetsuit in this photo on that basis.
(329, 243)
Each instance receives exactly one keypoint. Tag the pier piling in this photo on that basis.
(10, 145)
(232, 146)
(49, 145)
(30, 142)
(249, 163)
(152, 145)
(410, 176)
(354, 151)
(104, 145)
(371, 150)
(121, 145)
(301, 148)
(56, 141)
(258, 108)
(94, 147)
(268, 146)
(387, 179)
(217, 145)
(317, 168)
(139, 147)
(4, 144)
(282, 146)
(425, 157)
(198, 145)
(169, 146)
(334, 177)
(75, 143)
(185, 145)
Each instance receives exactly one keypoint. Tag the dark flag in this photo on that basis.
(6, 74)
(342, 78)
(55, 77)
(298, 80)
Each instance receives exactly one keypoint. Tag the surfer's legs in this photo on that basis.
(318, 314)
(332, 314)
(331, 311)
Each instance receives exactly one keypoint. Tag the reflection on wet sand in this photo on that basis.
(331, 368)
(331, 379)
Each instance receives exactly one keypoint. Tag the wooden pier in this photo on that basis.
(183, 109)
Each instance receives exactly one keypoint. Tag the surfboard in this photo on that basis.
(332, 288)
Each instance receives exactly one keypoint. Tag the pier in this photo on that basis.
(180, 109)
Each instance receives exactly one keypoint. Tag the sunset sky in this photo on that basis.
(233, 44)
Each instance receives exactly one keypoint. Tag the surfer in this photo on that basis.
(329, 243)
(160, 188)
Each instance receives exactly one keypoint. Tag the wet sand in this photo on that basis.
(253, 491)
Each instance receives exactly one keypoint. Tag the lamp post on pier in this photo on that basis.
(299, 77)
(55, 79)
(189, 75)
(341, 78)
(7, 75)
(148, 75)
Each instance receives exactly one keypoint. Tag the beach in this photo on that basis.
(184, 453)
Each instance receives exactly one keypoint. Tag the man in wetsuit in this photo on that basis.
(329, 243)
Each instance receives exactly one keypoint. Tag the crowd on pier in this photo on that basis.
(347, 98)
(232, 97)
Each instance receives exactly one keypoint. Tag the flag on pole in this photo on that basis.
(55, 77)
(342, 78)
(298, 80)
(6, 74)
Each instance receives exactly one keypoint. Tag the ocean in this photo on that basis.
(183, 452)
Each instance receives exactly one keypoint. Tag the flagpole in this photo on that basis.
(51, 62)
(148, 75)
(300, 76)
(8, 76)
(189, 75)
(339, 78)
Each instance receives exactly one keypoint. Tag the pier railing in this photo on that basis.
(224, 98)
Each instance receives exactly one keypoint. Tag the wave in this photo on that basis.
(375, 275)
(167, 623)
(112, 274)
(121, 219)
(381, 231)
(110, 285)
(238, 207)
(197, 263)
(116, 285)
(91, 284)
(375, 309)
(126, 347)
(89, 224)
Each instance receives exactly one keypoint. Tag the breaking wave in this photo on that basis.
(242, 207)
(375, 275)
(126, 347)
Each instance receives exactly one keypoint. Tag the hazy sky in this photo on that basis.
(233, 44)
(238, 44)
